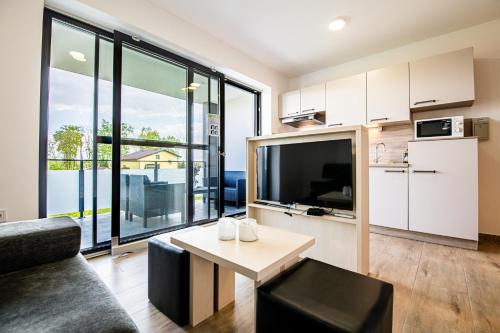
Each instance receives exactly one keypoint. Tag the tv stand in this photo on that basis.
(341, 240)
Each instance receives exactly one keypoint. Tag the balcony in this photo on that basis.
(70, 192)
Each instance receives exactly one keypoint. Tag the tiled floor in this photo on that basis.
(437, 289)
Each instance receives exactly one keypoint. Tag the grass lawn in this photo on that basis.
(85, 213)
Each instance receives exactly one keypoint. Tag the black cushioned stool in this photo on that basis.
(168, 279)
(316, 297)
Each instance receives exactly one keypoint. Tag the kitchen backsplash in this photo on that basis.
(395, 139)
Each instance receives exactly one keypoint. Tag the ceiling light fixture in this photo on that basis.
(79, 56)
(338, 24)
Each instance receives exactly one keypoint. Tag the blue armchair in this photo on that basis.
(235, 187)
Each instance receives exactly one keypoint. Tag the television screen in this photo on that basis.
(312, 173)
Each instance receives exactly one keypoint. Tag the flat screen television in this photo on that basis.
(312, 173)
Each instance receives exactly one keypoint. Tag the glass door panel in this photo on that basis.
(153, 178)
(70, 127)
(214, 151)
(205, 112)
(103, 149)
(240, 112)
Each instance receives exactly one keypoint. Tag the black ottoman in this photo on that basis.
(168, 279)
(316, 297)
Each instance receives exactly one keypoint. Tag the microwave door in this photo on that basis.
(434, 128)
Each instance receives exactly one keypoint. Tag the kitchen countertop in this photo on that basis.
(389, 165)
(449, 138)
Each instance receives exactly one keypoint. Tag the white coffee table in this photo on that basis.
(259, 261)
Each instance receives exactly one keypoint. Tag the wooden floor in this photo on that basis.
(437, 289)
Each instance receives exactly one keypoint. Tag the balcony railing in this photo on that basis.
(70, 182)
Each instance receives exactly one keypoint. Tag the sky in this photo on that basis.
(71, 103)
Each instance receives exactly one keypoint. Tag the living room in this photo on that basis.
(178, 167)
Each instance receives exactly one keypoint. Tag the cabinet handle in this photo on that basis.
(308, 110)
(337, 124)
(394, 171)
(423, 102)
(378, 119)
(424, 171)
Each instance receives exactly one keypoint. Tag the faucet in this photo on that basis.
(377, 157)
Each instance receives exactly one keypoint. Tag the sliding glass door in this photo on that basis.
(129, 135)
(168, 162)
(76, 106)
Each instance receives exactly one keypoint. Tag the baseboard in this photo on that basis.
(423, 237)
(489, 238)
(142, 244)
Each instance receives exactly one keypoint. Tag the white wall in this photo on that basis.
(21, 36)
(485, 39)
(239, 124)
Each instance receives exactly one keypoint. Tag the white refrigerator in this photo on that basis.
(443, 187)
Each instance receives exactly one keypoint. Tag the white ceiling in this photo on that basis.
(292, 36)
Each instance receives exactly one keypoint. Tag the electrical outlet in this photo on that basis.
(3, 215)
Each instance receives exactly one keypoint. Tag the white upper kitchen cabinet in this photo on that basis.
(388, 95)
(442, 81)
(312, 99)
(346, 101)
(290, 103)
(389, 197)
(443, 187)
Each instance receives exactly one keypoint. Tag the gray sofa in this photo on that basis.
(46, 285)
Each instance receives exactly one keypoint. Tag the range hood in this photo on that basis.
(317, 118)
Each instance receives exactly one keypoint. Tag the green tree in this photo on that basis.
(104, 151)
(147, 133)
(69, 142)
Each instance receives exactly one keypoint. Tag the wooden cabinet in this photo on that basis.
(388, 95)
(346, 101)
(290, 103)
(442, 81)
(312, 99)
(389, 197)
(443, 187)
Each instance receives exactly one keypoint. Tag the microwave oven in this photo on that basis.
(439, 128)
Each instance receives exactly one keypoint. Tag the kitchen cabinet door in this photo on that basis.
(388, 95)
(346, 101)
(290, 103)
(389, 197)
(312, 99)
(446, 80)
(443, 187)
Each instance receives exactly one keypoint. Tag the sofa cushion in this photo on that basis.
(29, 243)
(64, 296)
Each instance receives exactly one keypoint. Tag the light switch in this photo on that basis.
(3, 215)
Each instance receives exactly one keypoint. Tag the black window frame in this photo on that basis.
(118, 38)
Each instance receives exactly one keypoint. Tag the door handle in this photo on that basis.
(424, 171)
(337, 124)
(309, 110)
(394, 171)
(423, 102)
(378, 119)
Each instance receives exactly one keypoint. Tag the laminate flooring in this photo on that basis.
(437, 289)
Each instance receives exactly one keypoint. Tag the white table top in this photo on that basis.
(256, 260)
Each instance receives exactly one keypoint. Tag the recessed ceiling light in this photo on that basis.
(79, 56)
(338, 24)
